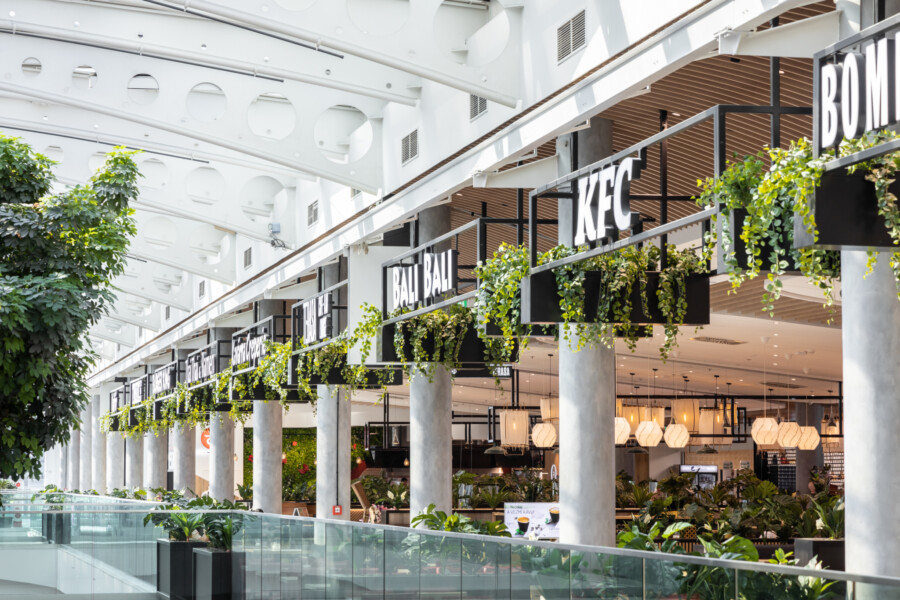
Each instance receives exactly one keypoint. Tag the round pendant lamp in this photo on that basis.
(544, 435)
(623, 430)
(788, 434)
(764, 431)
(809, 439)
(649, 434)
(677, 436)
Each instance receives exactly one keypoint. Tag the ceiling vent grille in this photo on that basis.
(716, 340)
(570, 37)
(201, 289)
(312, 213)
(248, 258)
(781, 384)
(409, 147)
(477, 106)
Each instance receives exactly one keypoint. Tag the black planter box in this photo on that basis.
(830, 552)
(540, 300)
(218, 574)
(259, 392)
(736, 226)
(471, 352)
(114, 424)
(334, 376)
(175, 568)
(158, 410)
(57, 528)
(846, 214)
(134, 416)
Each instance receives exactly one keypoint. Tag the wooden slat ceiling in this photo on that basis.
(747, 302)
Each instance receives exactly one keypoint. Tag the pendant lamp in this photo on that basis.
(513, 428)
(764, 431)
(623, 430)
(809, 439)
(788, 434)
(677, 435)
(544, 435)
(649, 434)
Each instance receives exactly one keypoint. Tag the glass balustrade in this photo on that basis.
(94, 547)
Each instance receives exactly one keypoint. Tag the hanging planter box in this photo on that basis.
(846, 214)
(175, 568)
(472, 350)
(218, 574)
(335, 377)
(540, 300)
(134, 416)
(259, 392)
(158, 409)
(736, 225)
(114, 423)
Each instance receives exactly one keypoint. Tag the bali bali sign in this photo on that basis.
(316, 324)
(423, 282)
(603, 205)
(857, 91)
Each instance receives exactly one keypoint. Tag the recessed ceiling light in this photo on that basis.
(674, 114)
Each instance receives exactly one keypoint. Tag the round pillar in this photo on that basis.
(267, 421)
(84, 467)
(430, 441)
(184, 460)
(156, 455)
(587, 447)
(871, 355)
(73, 478)
(332, 452)
(115, 461)
(134, 462)
(98, 448)
(221, 456)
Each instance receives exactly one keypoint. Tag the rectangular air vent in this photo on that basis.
(248, 258)
(312, 213)
(168, 313)
(201, 290)
(781, 384)
(477, 106)
(570, 37)
(409, 147)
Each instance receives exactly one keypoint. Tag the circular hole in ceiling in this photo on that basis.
(31, 67)
(143, 88)
(155, 172)
(206, 102)
(471, 37)
(84, 77)
(159, 232)
(205, 185)
(343, 134)
(378, 17)
(54, 153)
(272, 116)
(295, 4)
(259, 197)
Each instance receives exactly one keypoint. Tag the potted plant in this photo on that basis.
(218, 571)
(56, 525)
(175, 572)
(245, 491)
(829, 547)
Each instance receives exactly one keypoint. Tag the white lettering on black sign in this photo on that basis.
(603, 205)
(162, 380)
(859, 94)
(200, 366)
(137, 390)
(316, 322)
(248, 349)
(436, 275)
(502, 371)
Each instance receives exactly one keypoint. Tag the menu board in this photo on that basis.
(538, 519)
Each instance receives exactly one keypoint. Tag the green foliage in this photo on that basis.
(830, 513)
(181, 525)
(499, 299)
(58, 255)
(396, 496)
(245, 491)
(437, 520)
(436, 339)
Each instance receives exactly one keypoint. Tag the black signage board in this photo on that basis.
(119, 398)
(315, 320)
(162, 381)
(137, 390)
(202, 366)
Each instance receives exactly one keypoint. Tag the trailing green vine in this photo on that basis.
(425, 341)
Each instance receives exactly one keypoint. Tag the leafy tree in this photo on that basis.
(58, 254)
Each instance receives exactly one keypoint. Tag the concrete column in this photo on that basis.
(430, 440)
(134, 462)
(221, 456)
(156, 454)
(871, 352)
(332, 452)
(115, 461)
(98, 446)
(73, 479)
(84, 467)
(62, 466)
(808, 415)
(587, 467)
(184, 467)
(267, 438)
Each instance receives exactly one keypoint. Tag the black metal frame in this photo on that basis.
(221, 358)
(338, 325)
(561, 187)
(276, 328)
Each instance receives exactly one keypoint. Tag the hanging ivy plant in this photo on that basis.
(435, 338)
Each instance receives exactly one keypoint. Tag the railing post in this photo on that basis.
(644, 578)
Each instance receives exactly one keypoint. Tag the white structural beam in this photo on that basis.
(531, 175)
(260, 118)
(477, 52)
(159, 283)
(173, 30)
(120, 333)
(691, 38)
(136, 311)
(800, 39)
